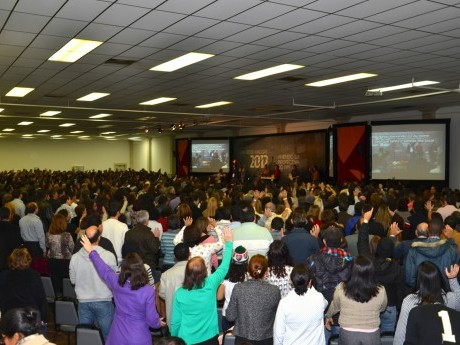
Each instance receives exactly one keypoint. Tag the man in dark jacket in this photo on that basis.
(146, 239)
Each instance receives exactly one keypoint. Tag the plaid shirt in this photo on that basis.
(338, 252)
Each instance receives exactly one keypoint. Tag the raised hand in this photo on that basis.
(452, 272)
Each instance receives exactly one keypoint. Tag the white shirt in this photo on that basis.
(115, 231)
(153, 224)
(299, 319)
(446, 211)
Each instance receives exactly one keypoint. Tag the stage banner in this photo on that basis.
(351, 153)
(182, 157)
(305, 150)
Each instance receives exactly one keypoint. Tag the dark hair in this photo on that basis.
(20, 320)
(365, 208)
(195, 273)
(277, 223)
(299, 218)
(257, 267)
(247, 214)
(19, 259)
(192, 235)
(132, 269)
(58, 224)
(223, 213)
(236, 213)
(429, 284)
(181, 251)
(5, 213)
(113, 209)
(63, 198)
(91, 220)
(63, 212)
(173, 222)
(435, 227)
(333, 237)
(301, 277)
(453, 220)
(361, 286)
(278, 258)
(359, 208)
(170, 341)
(31, 207)
(237, 272)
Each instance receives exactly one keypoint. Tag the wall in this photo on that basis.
(162, 153)
(139, 154)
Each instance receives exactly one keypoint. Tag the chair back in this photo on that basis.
(229, 338)
(66, 315)
(68, 290)
(88, 335)
(49, 290)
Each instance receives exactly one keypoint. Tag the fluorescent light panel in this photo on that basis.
(215, 104)
(343, 79)
(158, 101)
(268, 71)
(19, 91)
(100, 116)
(50, 113)
(93, 96)
(8, 130)
(27, 135)
(67, 125)
(74, 50)
(76, 132)
(405, 86)
(25, 123)
(107, 133)
(56, 136)
(181, 61)
(1, 109)
(43, 131)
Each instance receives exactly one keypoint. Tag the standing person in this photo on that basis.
(114, 230)
(134, 298)
(18, 203)
(292, 325)
(360, 300)
(10, 237)
(32, 231)
(194, 311)
(279, 267)
(20, 327)
(253, 305)
(60, 244)
(93, 294)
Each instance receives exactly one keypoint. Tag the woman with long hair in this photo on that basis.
(279, 267)
(253, 305)
(20, 326)
(134, 297)
(429, 289)
(61, 245)
(194, 309)
(211, 208)
(360, 300)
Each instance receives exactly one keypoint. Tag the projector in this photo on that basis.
(373, 93)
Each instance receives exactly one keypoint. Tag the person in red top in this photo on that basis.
(276, 173)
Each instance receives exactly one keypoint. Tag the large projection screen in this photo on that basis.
(415, 151)
(210, 155)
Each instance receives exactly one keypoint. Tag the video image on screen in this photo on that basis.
(409, 152)
(208, 156)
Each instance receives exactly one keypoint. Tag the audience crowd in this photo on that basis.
(290, 264)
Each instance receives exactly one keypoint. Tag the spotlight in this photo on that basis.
(181, 126)
(160, 130)
(173, 127)
(146, 130)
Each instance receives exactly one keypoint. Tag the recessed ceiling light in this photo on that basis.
(268, 71)
(109, 138)
(25, 123)
(104, 126)
(93, 96)
(76, 132)
(215, 104)
(8, 130)
(341, 79)
(56, 136)
(100, 116)
(74, 50)
(19, 91)
(83, 137)
(50, 113)
(405, 86)
(107, 133)
(1, 109)
(43, 131)
(135, 138)
(27, 135)
(67, 125)
(181, 61)
(158, 101)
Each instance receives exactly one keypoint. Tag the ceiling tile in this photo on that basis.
(292, 19)
(430, 18)
(26, 22)
(397, 38)
(157, 20)
(453, 33)
(131, 36)
(252, 35)
(333, 6)
(85, 10)
(37, 53)
(99, 32)
(420, 42)
(407, 11)
(7, 4)
(40, 7)
(222, 30)
(29, 63)
(64, 27)
(244, 50)
(437, 47)
(372, 7)
(9, 50)
(111, 48)
(259, 14)
(220, 47)
(329, 47)
(184, 7)
(121, 15)
(223, 9)
(190, 25)
(269, 54)
(322, 24)
(162, 40)
(192, 44)
(15, 38)
(279, 38)
(443, 26)
(373, 34)
(151, 4)
(350, 29)
(305, 43)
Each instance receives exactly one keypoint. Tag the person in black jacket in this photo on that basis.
(10, 237)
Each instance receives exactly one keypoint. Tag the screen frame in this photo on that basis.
(210, 140)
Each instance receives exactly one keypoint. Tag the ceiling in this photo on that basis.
(399, 40)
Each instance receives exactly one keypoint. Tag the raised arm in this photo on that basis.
(218, 276)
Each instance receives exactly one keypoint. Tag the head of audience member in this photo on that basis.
(5, 214)
(195, 273)
(173, 222)
(314, 212)
(20, 259)
(91, 220)
(298, 219)
(65, 199)
(422, 230)
(257, 267)
(278, 258)
(450, 224)
(170, 341)
(132, 269)
(80, 211)
(362, 286)
(448, 199)
(113, 211)
(277, 224)
(385, 247)
(238, 266)
(211, 207)
(223, 213)
(65, 213)
(429, 284)
(301, 278)
(332, 237)
(435, 227)
(235, 213)
(32, 208)
(181, 252)
(202, 224)
(93, 235)
(359, 208)
(402, 204)
(192, 235)
(247, 214)
(58, 225)
(18, 323)
(16, 194)
(142, 217)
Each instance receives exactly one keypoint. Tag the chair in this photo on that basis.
(333, 339)
(219, 318)
(229, 338)
(68, 290)
(66, 317)
(88, 335)
(387, 338)
(49, 290)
